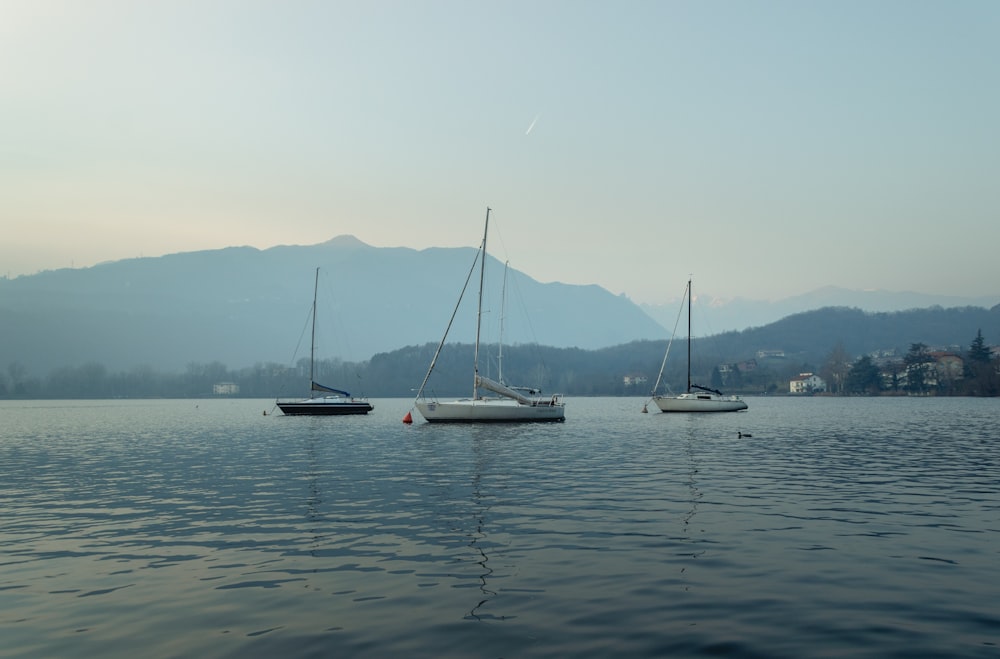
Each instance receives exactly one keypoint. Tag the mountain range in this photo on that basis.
(718, 315)
(242, 305)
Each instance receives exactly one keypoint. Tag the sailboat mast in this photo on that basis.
(503, 309)
(479, 313)
(689, 336)
(312, 340)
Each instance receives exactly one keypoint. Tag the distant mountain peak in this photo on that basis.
(241, 306)
(345, 241)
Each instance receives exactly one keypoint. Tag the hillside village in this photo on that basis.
(149, 341)
(924, 370)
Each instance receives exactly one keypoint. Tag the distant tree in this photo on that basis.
(199, 378)
(140, 380)
(981, 377)
(735, 380)
(716, 378)
(18, 376)
(918, 368)
(864, 377)
(836, 368)
(894, 370)
(17, 372)
(979, 353)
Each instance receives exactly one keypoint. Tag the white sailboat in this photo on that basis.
(509, 404)
(323, 400)
(696, 398)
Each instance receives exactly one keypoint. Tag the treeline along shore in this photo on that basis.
(747, 362)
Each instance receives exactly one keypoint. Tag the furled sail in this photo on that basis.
(316, 386)
(503, 390)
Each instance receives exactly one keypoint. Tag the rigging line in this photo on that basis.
(334, 318)
(495, 231)
(312, 344)
(526, 318)
(677, 322)
(305, 327)
(503, 308)
(479, 313)
(489, 301)
(437, 352)
(516, 292)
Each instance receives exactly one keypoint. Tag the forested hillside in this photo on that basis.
(762, 360)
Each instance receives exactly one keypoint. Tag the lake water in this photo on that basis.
(843, 527)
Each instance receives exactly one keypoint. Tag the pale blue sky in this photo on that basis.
(767, 148)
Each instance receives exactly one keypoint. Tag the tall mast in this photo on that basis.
(312, 342)
(503, 309)
(689, 336)
(479, 313)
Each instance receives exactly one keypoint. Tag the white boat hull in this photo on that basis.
(699, 403)
(696, 398)
(491, 410)
(513, 405)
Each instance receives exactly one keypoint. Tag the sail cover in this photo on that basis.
(503, 390)
(316, 386)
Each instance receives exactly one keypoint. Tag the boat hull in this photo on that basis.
(491, 410)
(325, 407)
(699, 403)
(696, 398)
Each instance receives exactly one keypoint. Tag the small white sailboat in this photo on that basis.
(323, 400)
(509, 404)
(696, 398)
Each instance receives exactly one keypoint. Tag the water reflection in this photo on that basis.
(694, 496)
(858, 527)
(313, 515)
(479, 538)
(478, 544)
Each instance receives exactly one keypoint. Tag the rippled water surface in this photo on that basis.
(843, 527)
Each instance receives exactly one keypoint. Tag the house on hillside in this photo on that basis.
(942, 369)
(634, 380)
(948, 364)
(225, 388)
(806, 383)
(742, 367)
(948, 367)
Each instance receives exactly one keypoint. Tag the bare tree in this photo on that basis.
(835, 368)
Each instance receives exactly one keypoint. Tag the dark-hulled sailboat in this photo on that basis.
(323, 400)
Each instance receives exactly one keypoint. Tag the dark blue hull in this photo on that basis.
(325, 409)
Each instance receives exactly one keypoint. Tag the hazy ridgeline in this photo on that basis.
(835, 343)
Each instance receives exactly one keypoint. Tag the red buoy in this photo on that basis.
(407, 418)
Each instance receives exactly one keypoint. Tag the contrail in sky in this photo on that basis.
(533, 121)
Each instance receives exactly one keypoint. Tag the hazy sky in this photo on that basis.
(767, 148)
